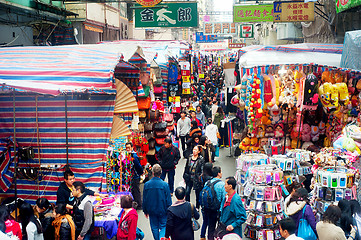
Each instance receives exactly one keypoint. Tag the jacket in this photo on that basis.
(65, 230)
(13, 228)
(207, 152)
(217, 119)
(193, 171)
(183, 126)
(63, 194)
(156, 197)
(324, 229)
(83, 215)
(211, 133)
(168, 157)
(127, 227)
(295, 209)
(219, 189)
(179, 223)
(234, 214)
(200, 115)
(138, 169)
(46, 218)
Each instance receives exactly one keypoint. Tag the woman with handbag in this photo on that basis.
(181, 218)
(299, 209)
(207, 149)
(327, 229)
(192, 173)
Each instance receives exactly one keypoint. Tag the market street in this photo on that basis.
(228, 169)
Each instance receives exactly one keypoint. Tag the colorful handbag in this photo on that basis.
(151, 143)
(148, 127)
(142, 114)
(161, 134)
(145, 91)
(144, 103)
(160, 141)
(172, 73)
(144, 78)
(154, 115)
(304, 229)
(160, 126)
(170, 128)
(168, 117)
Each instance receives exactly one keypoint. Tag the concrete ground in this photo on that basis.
(228, 166)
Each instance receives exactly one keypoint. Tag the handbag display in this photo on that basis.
(170, 128)
(148, 127)
(142, 114)
(160, 126)
(168, 117)
(195, 224)
(144, 103)
(148, 135)
(144, 78)
(151, 143)
(158, 90)
(145, 93)
(161, 134)
(160, 141)
(154, 115)
(304, 229)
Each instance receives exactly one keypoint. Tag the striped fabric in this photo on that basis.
(164, 75)
(89, 125)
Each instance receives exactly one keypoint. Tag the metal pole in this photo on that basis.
(38, 139)
(285, 130)
(15, 161)
(66, 130)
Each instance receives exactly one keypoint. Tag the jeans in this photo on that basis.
(171, 174)
(189, 186)
(157, 225)
(212, 222)
(205, 224)
(183, 140)
(136, 192)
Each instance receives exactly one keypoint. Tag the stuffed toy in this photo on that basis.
(279, 133)
(297, 78)
(261, 131)
(244, 145)
(262, 143)
(351, 86)
(354, 101)
(269, 131)
(276, 93)
(310, 94)
(334, 95)
(306, 133)
(275, 113)
(253, 144)
(326, 77)
(343, 93)
(265, 119)
(315, 134)
(267, 89)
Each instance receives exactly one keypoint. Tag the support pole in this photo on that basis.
(66, 130)
(15, 160)
(38, 140)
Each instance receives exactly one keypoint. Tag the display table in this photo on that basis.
(110, 226)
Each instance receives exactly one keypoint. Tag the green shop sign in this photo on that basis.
(342, 5)
(253, 13)
(167, 15)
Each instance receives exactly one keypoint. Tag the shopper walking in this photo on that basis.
(183, 128)
(156, 200)
(127, 227)
(31, 225)
(233, 213)
(168, 157)
(46, 217)
(192, 173)
(200, 116)
(179, 223)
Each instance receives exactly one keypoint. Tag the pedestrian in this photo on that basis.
(168, 157)
(179, 218)
(191, 143)
(135, 171)
(233, 213)
(156, 200)
(218, 117)
(183, 128)
(207, 148)
(31, 226)
(195, 130)
(63, 224)
(212, 133)
(127, 227)
(194, 118)
(288, 229)
(206, 175)
(9, 226)
(327, 229)
(295, 206)
(200, 116)
(46, 217)
(356, 215)
(83, 212)
(192, 174)
(350, 216)
(211, 213)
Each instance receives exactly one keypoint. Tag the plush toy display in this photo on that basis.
(306, 133)
(279, 133)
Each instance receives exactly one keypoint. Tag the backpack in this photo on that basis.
(208, 198)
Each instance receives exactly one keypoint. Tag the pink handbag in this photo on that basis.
(158, 90)
(168, 117)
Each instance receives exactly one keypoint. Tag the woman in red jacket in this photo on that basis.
(127, 227)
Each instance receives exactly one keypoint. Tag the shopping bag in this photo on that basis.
(304, 229)
(216, 153)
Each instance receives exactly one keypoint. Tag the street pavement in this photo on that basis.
(228, 166)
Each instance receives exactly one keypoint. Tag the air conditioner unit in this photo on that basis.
(288, 31)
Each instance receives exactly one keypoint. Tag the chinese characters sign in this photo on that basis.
(175, 15)
(294, 11)
(236, 45)
(220, 28)
(342, 5)
(148, 3)
(253, 13)
(200, 38)
(246, 31)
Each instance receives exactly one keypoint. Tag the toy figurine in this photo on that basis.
(244, 145)
(279, 130)
(306, 133)
(315, 134)
(261, 131)
(269, 131)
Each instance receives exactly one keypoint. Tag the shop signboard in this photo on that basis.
(220, 28)
(148, 3)
(342, 5)
(186, 78)
(171, 15)
(236, 45)
(246, 31)
(253, 13)
(295, 11)
(175, 104)
(220, 45)
(201, 38)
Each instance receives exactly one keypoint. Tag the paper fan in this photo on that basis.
(125, 101)
(119, 128)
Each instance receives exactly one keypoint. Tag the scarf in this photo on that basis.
(57, 224)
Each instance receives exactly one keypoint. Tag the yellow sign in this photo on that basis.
(174, 99)
(294, 11)
(186, 91)
(186, 78)
(201, 75)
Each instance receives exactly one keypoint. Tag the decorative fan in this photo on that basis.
(125, 101)
(119, 128)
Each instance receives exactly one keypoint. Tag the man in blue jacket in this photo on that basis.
(156, 200)
(233, 213)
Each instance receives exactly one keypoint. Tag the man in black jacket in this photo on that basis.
(168, 157)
